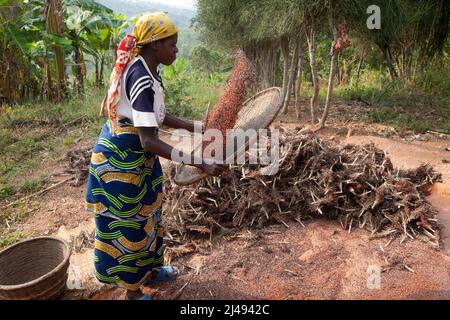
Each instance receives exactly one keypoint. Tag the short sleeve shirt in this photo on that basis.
(142, 98)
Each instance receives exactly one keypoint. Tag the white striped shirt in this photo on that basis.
(142, 95)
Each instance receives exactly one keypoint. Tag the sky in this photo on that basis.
(189, 4)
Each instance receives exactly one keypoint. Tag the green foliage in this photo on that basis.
(188, 38)
(420, 106)
(176, 81)
(89, 28)
(408, 121)
(435, 81)
(11, 238)
(188, 91)
(68, 140)
(242, 22)
(413, 31)
(32, 185)
(371, 95)
(206, 60)
(175, 70)
(6, 191)
(177, 101)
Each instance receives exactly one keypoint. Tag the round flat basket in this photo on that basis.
(34, 269)
(256, 113)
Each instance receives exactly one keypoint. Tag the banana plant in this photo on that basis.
(16, 43)
(89, 25)
(105, 37)
(44, 19)
(55, 26)
(99, 45)
(175, 70)
(118, 24)
(78, 23)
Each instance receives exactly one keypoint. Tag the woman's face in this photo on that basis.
(166, 50)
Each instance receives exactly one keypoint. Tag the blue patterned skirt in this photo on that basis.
(125, 193)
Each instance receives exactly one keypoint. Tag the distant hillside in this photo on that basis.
(132, 8)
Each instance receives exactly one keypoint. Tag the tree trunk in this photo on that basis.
(102, 66)
(276, 59)
(24, 80)
(79, 69)
(47, 79)
(264, 53)
(299, 79)
(6, 74)
(329, 91)
(114, 48)
(347, 72)
(360, 63)
(409, 65)
(294, 66)
(97, 72)
(340, 71)
(285, 52)
(390, 62)
(55, 25)
(311, 38)
(7, 86)
(333, 65)
(262, 56)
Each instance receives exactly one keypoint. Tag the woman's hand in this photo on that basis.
(213, 169)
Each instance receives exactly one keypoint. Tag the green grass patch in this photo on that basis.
(68, 140)
(11, 238)
(407, 121)
(204, 95)
(6, 191)
(402, 105)
(188, 97)
(32, 185)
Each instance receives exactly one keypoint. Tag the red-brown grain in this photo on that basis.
(224, 114)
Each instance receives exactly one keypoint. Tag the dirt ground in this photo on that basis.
(319, 260)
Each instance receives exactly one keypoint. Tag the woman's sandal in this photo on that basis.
(166, 273)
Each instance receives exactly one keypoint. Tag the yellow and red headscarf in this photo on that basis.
(149, 28)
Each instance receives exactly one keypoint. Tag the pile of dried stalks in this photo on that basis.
(78, 164)
(355, 184)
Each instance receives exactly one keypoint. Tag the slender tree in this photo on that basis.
(298, 85)
(55, 25)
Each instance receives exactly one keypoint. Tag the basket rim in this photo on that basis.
(264, 91)
(67, 253)
(201, 175)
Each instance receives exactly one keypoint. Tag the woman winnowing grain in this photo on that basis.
(125, 176)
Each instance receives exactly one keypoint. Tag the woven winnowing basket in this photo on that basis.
(34, 269)
(256, 113)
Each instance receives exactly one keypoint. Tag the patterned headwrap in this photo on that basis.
(149, 28)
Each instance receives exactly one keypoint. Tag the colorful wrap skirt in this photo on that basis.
(124, 193)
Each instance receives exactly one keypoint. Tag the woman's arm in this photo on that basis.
(150, 142)
(174, 122)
